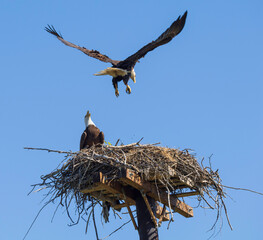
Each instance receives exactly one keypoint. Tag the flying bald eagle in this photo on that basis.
(124, 70)
(92, 135)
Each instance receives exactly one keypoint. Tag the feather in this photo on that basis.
(176, 27)
(92, 53)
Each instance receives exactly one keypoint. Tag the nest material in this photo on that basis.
(165, 166)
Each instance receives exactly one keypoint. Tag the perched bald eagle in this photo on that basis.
(124, 70)
(92, 135)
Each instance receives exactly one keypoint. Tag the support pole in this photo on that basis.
(146, 226)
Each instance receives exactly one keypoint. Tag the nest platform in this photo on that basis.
(115, 174)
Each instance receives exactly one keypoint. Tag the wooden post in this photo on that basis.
(146, 226)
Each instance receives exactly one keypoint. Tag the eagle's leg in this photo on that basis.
(128, 89)
(125, 81)
(117, 92)
(115, 85)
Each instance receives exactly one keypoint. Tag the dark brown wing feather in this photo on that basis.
(82, 140)
(176, 27)
(92, 53)
(101, 138)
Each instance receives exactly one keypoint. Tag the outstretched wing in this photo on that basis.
(92, 53)
(176, 27)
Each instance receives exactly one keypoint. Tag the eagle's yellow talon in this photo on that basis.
(117, 92)
(128, 89)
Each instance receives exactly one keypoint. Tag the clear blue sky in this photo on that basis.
(201, 91)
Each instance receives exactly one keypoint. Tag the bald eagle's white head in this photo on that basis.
(88, 120)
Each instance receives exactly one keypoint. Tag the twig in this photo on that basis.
(138, 143)
(50, 150)
(55, 212)
(94, 222)
(227, 215)
(117, 142)
(35, 220)
(243, 189)
(132, 218)
(149, 208)
(116, 230)
(169, 204)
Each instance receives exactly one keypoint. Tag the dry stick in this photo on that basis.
(125, 159)
(115, 213)
(129, 145)
(211, 196)
(130, 212)
(132, 218)
(55, 212)
(110, 150)
(84, 174)
(39, 190)
(67, 206)
(33, 187)
(107, 158)
(88, 219)
(149, 208)
(207, 202)
(35, 219)
(116, 230)
(217, 217)
(50, 150)
(117, 142)
(226, 214)
(169, 203)
(138, 143)
(162, 216)
(94, 222)
(243, 189)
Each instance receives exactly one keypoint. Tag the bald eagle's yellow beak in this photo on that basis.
(88, 114)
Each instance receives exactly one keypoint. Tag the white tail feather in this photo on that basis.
(114, 72)
(100, 73)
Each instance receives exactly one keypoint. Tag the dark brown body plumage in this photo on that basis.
(91, 136)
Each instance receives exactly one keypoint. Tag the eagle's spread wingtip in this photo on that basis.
(50, 29)
(185, 14)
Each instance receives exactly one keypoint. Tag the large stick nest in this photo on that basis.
(165, 167)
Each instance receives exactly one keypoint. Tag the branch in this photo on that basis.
(116, 230)
(50, 150)
(243, 189)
